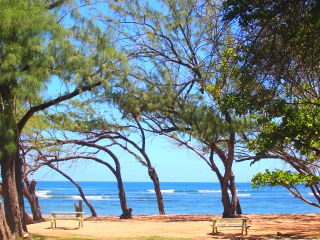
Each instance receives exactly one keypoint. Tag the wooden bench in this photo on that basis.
(66, 216)
(230, 222)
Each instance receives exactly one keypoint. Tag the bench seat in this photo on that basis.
(230, 222)
(79, 216)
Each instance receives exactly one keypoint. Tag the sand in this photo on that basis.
(280, 226)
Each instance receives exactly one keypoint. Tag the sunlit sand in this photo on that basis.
(184, 226)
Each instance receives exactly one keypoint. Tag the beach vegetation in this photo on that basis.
(282, 59)
(231, 81)
(190, 77)
(37, 50)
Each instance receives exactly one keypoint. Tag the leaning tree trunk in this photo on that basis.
(30, 193)
(126, 212)
(154, 177)
(8, 152)
(5, 232)
(93, 212)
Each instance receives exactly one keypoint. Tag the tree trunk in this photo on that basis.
(154, 177)
(20, 188)
(30, 193)
(126, 212)
(225, 199)
(234, 200)
(8, 152)
(231, 186)
(233, 190)
(93, 212)
(230, 208)
(11, 199)
(5, 232)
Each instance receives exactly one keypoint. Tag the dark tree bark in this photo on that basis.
(30, 193)
(226, 199)
(151, 171)
(5, 232)
(9, 151)
(126, 212)
(234, 194)
(154, 177)
(92, 210)
(20, 190)
(10, 194)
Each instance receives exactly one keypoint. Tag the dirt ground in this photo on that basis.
(279, 226)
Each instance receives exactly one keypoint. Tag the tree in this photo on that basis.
(86, 147)
(35, 50)
(82, 195)
(129, 134)
(5, 232)
(179, 49)
(282, 58)
(29, 191)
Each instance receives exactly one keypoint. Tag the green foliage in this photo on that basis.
(38, 52)
(281, 62)
(283, 178)
(27, 32)
(297, 126)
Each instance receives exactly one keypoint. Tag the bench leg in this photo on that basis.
(53, 224)
(214, 230)
(80, 223)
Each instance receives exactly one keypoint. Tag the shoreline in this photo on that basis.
(263, 226)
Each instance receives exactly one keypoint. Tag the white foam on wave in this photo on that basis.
(92, 197)
(244, 195)
(43, 193)
(209, 191)
(163, 191)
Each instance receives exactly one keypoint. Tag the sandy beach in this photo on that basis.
(280, 226)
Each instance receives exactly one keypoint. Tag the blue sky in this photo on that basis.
(173, 164)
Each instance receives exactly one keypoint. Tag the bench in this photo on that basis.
(66, 216)
(230, 222)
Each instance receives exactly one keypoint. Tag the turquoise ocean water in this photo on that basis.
(179, 198)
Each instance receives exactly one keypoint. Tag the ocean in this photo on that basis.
(179, 198)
